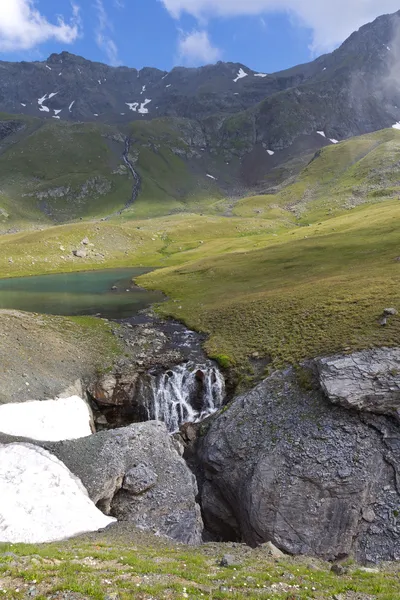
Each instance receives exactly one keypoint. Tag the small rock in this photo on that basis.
(228, 561)
(85, 241)
(79, 253)
(339, 569)
(383, 321)
(368, 515)
(273, 550)
(139, 479)
(344, 473)
(369, 570)
(390, 312)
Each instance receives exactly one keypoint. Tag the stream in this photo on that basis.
(167, 376)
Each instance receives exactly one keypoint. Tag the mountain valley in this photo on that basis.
(265, 208)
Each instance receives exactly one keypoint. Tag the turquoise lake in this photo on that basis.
(84, 293)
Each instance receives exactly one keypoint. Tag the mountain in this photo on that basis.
(74, 132)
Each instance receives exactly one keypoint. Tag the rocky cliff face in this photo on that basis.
(351, 91)
(286, 464)
(221, 129)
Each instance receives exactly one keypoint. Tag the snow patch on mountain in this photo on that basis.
(41, 500)
(271, 152)
(142, 110)
(132, 105)
(321, 133)
(240, 75)
(43, 108)
(260, 75)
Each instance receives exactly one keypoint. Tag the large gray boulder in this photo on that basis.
(135, 474)
(367, 380)
(283, 464)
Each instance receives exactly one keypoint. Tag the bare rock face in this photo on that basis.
(367, 381)
(284, 464)
(135, 474)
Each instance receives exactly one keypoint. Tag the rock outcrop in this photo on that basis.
(286, 465)
(136, 474)
(367, 381)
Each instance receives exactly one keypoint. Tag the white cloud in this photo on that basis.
(196, 48)
(103, 39)
(22, 26)
(330, 22)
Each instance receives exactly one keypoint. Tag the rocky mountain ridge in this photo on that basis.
(343, 90)
(221, 130)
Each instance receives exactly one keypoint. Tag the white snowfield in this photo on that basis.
(322, 133)
(50, 420)
(396, 125)
(41, 500)
(240, 75)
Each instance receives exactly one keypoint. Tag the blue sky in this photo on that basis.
(266, 35)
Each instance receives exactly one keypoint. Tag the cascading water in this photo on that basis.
(186, 393)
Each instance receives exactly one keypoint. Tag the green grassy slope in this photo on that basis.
(61, 172)
(296, 294)
(310, 291)
(280, 285)
(361, 170)
(56, 171)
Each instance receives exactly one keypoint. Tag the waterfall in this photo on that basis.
(185, 393)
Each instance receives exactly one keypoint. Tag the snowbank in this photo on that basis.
(50, 420)
(40, 499)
